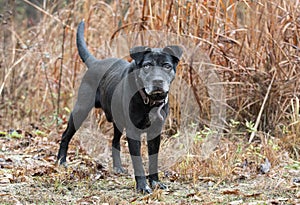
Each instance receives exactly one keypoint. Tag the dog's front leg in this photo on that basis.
(134, 145)
(116, 149)
(153, 149)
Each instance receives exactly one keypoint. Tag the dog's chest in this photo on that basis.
(142, 116)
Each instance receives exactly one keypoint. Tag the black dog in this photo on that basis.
(134, 97)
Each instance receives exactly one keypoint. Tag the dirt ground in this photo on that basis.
(28, 175)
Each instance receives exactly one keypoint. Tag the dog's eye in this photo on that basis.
(167, 66)
(147, 66)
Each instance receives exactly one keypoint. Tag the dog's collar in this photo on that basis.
(157, 103)
(149, 101)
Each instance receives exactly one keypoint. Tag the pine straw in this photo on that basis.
(247, 42)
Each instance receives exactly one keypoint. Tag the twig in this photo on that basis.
(49, 84)
(261, 109)
(9, 71)
(60, 73)
(169, 15)
(47, 13)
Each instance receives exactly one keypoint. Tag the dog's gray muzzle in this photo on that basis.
(157, 82)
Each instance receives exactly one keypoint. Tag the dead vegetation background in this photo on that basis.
(253, 47)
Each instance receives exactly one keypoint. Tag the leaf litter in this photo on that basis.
(28, 175)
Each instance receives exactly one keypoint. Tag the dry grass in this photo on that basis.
(247, 43)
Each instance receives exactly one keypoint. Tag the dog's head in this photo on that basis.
(157, 68)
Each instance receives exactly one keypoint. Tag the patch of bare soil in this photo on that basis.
(28, 175)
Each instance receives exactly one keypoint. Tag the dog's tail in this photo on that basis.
(81, 45)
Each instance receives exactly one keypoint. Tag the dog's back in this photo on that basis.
(108, 83)
(112, 71)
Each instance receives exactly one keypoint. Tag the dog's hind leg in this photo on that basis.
(116, 151)
(64, 144)
(84, 104)
(75, 121)
(153, 149)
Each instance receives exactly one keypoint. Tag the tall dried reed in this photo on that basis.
(248, 42)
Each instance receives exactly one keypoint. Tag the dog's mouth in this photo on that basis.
(158, 95)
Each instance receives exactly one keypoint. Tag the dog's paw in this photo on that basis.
(145, 189)
(119, 170)
(142, 186)
(157, 185)
(59, 163)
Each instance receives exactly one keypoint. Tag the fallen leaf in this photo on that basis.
(191, 195)
(134, 199)
(157, 194)
(252, 195)
(4, 180)
(207, 179)
(236, 202)
(197, 198)
(298, 195)
(233, 192)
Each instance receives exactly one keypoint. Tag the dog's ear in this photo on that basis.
(137, 53)
(175, 51)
